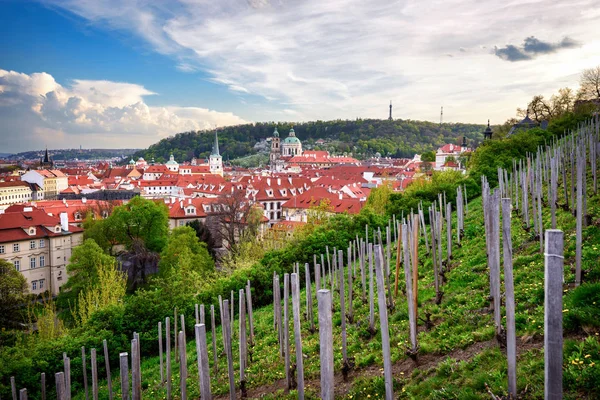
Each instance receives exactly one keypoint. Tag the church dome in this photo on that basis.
(291, 140)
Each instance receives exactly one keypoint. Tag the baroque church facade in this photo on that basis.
(281, 151)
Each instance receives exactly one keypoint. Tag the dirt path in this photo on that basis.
(402, 368)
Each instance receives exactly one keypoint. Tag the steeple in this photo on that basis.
(215, 149)
(46, 158)
(488, 132)
(390, 117)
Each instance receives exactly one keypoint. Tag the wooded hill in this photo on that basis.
(361, 137)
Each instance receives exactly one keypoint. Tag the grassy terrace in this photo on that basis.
(458, 355)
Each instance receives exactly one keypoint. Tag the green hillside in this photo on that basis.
(361, 137)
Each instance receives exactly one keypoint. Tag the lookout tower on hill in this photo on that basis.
(390, 117)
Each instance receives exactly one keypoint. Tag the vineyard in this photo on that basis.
(491, 297)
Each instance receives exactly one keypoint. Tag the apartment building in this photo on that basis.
(52, 182)
(39, 246)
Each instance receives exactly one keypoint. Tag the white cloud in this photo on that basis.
(347, 58)
(37, 111)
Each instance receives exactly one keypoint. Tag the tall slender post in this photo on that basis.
(242, 338)
(124, 364)
(250, 313)
(326, 344)
(383, 322)
(168, 356)
(297, 335)
(286, 331)
(214, 338)
(43, 386)
(182, 366)
(227, 345)
(23, 394)
(203, 368)
(579, 219)
(160, 352)
(511, 343)
(13, 387)
(107, 366)
(94, 375)
(371, 290)
(85, 382)
(136, 384)
(415, 268)
(59, 377)
(553, 314)
(309, 299)
(67, 364)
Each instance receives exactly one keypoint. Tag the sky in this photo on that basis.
(127, 73)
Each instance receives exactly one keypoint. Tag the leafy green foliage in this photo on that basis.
(13, 292)
(361, 137)
(184, 251)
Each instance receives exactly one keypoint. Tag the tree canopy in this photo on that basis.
(13, 293)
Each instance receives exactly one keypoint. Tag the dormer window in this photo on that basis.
(57, 229)
(78, 215)
(32, 231)
(104, 214)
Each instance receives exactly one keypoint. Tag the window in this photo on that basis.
(41, 283)
(1, 249)
(34, 285)
(16, 247)
(32, 262)
(17, 264)
(42, 243)
(32, 245)
(42, 261)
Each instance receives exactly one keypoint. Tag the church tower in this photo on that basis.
(487, 135)
(215, 161)
(46, 162)
(275, 150)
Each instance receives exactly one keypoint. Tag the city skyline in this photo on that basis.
(129, 73)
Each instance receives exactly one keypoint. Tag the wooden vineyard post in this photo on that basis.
(309, 300)
(553, 314)
(277, 306)
(371, 294)
(383, 322)
(196, 313)
(412, 321)
(168, 356)
(579, 218)
(343, 310)
(59, 377)
(227, 346)
(202, 355)
(214, 338)
(85, 382)
(94, 374)
(415, 268)
(398, 257)
(175, 333)
(249, 311)
(286, 331)
(43, 386)
(136, 384)
(448, 234)
(231, 313)
(494, 255)
(243, 342)
(202, 315)
(297, 335)
(13, 388)
(326, 344)
(67, 364)
(511, 343)
(23, 394)
(350, 286)
(124, 369)
(160, 352)
(182, 366)
(363, 260)
(107, 365)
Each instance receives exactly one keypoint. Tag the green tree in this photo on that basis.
(428, 156)
(13, 293)
(141, 219)
(108, 290)
(183, 240)
(379, 197)
(83, 267)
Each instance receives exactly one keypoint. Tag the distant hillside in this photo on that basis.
(361, 137)
(72, 154)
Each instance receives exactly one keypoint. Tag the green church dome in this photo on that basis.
(291, 140)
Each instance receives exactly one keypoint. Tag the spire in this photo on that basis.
(46, 158)
(215, 150)
(390, 117)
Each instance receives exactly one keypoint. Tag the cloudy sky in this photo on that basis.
(126, 73)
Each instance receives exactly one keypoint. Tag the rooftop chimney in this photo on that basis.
(278, 181)
(340, 195)
(27, 209)
(64, 221)
(83, 200)
(268, 181)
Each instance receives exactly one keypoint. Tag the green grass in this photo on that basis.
(460, 322)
